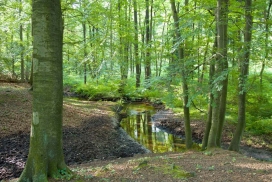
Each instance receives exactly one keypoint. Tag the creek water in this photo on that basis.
(140, 127)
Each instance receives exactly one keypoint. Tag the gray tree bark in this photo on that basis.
(180, 57)
(219, 89)
(136, 46)
(46, 157)
(244, 69)
(223, 59)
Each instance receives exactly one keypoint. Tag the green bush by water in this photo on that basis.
(260, 127)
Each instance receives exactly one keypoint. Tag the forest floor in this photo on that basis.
(97, 149)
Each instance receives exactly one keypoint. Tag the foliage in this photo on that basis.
(105, 51)
(65, 174)
(259, 98)
(95, 91)
(260, 127)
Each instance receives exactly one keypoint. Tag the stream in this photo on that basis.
(141, 128)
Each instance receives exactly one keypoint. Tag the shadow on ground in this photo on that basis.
(96, 138)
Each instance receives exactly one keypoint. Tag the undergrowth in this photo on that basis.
(168, 91)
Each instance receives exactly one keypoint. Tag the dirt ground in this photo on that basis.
(97, 149)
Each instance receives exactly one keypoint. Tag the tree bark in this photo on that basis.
(244, 70)
(147, 42)
(222, 28)
(210, 109)
(84, 52)
(180, 55)
(267, 15)
(136, 46)
(219, 89)
(46, 157)
(21, 46)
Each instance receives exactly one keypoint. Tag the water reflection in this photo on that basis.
(140, 127)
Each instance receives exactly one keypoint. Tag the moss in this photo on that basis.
(175, 171)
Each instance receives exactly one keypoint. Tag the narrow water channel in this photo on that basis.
(141, 128)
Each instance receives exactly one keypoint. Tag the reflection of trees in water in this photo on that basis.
(140, 127)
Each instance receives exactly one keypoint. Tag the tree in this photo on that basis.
(222, 29)
(148, 34)
(210, 107)
(266, 17)
(136, 46)
(244, 70)
(181, 61)
(21, 45)
(46, 157)
(221, 82)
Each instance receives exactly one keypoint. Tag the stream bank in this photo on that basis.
(172, 123)
(163, 131)
(91, 133)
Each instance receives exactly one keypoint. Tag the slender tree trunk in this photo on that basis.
(28, 62)
(83, 4)
(126, 44)
(219, 95)
(21, 45)
(31, 74)
(84, 53)
(244, 69)
(147, 42)
(186, 110)
(111, 35)
(204, 62)
(46, 157)
(122, 45)
(223, 51)
(13, 59)
(136, 45)
(267, 15)
(210, 109)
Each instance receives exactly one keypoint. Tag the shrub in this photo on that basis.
(260, 127)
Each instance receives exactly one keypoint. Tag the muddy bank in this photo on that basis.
(98, 138)
(172, 123)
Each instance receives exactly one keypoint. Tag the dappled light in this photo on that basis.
(141, 127)
(137, 90)
(257, 166)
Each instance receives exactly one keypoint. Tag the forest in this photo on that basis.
(201, 59)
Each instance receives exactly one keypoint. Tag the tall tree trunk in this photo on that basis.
(221, 66)
(210, 109)
(46, 157)
(84, 42)
(29, 63)
(13, 59)
(136, 45)
(267, 15)
(147, 41)
(126, 43)
(111, 35)
(180, 56)
(213, 120)
(122, 46)
(223, 51)
(84, 52)
(21, 45)
(244, 69)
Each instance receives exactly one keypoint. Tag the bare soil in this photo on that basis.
(97, 149)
